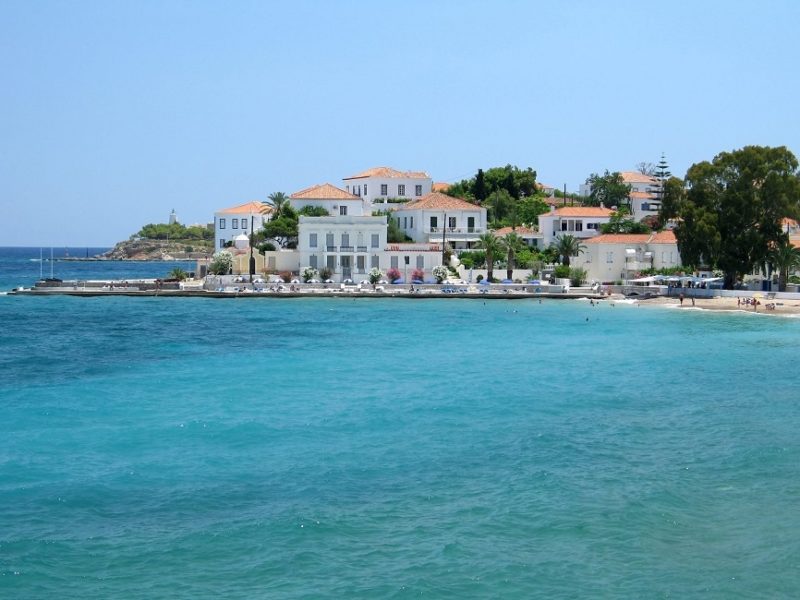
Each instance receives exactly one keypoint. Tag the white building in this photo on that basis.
(613, 257)
(241, 219)
(582, 222)
(347, 245)
(384, 185)
(335, 200)
(437, 217)
(643, 198)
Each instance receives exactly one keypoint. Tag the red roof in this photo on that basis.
(389, 173)
(660, 237)
(326, 191)
(247, 208)
(581, 211)
(439, 201)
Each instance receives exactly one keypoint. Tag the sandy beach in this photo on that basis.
(781, 306)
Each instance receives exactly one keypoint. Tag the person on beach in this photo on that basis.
(680, 297)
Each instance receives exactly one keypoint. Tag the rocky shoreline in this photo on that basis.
(155, 250)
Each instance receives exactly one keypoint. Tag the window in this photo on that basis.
(418, 190)
(313, 261)
(411, 222)
(591, 226)
(331, 263)
(345, 239)
(434, 222)
(222, 223)
(451, 222)
(329, 240)
(394, 262)
(384, 189)
(342, 210)
(578, 225)
(376, 239)
(312, 240)
(420, 261)
(365, 189)
(374, 262)
(244, 223)
(221, 243)
(563, 225)
(405, 222)
(609, 257)
(361, 263)
(401, 190)
(348, 188)
(234, 223)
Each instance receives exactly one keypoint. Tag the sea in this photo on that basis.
(379, 448)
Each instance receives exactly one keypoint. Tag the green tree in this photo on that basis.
(729, 214)
(313, 211)
(178, 274)
(567, 246)
(278, 200)
(283, 230)
(784, 257)
(609, 189)
(493, 248)
(499, 205)
(529, 208)
(479, 187)
(221, 263)
(621, 222)
(513, 245)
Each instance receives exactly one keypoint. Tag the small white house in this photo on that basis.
(531, 237)
(237, 220)
(612, 257)
(385, 186)
(437, 218)
(582, 222)
(335, 200)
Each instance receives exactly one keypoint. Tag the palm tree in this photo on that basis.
(568, 245)
(493, 247)
(784, 257)
(513, 245)
(278, 201)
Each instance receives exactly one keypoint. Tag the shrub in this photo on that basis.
(577, 276)
(479, 278)
(440, 272)
(325, 273)
(221, 263)
(178, 274)
(393, 274)
(309, 273)
(286, 276)
(266, 247)
(561, 272)
(418, 274)
(375, 275)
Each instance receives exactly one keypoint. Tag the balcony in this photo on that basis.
(346, 249)
(361, 249)
(330, 248)
(456, 230)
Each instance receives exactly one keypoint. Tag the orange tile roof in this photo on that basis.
(660, 237)
(325, 191)
(521, 231)
(664, 237)
(787, 222)
(440, 186)
(248, 208)
(439, 201)
(581, 211)
(636, 177)
(390, 173)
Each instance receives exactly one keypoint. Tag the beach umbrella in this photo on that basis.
(401, 280)
(507, 281)
(484, 282)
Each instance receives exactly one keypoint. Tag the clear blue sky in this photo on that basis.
(113, 113)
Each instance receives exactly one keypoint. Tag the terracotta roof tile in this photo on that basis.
(248, 208)
(440, 186)
(636, 177)
(661, 237)
(389, 173)
(581, 211)
(439, 201)
(325, 191)
(504, 231)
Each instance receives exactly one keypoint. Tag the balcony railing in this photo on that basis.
(459, 230)
(346, 249)
(331, 248)
(362, 249)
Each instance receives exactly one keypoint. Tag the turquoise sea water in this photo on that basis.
(296, 448)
